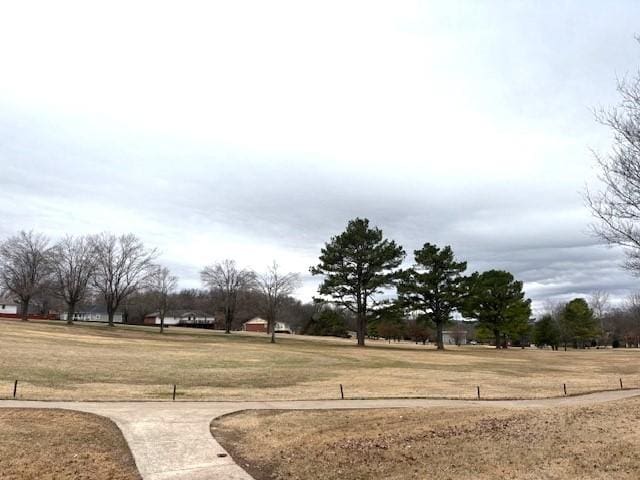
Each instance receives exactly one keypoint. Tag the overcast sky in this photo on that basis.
(256, 130)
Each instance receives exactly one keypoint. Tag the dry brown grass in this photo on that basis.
(57, 444)
(55, 361)
(598, 442)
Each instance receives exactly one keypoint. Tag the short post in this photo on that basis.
(564, 385)
(621, 387)
(341, 392)
(15, 388)
(478, 388)
(174, 393)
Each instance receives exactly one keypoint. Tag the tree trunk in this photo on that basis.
(71, 310)
(440, 335)
(498, 339)
(227, 321)
(24, 309)
(162, 323)
(110, 314)
(362, 328)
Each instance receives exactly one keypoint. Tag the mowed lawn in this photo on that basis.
(95, 362)
(596, 442)
(54, 444)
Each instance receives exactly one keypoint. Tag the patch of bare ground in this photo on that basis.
(596, 442)
(59, 444)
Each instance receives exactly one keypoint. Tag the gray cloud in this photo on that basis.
(455, 123)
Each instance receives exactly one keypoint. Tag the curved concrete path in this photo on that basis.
(172, 440)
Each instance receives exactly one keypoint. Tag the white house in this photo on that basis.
(8, 306)
(183, 318)
(449, 337)
(93, 313)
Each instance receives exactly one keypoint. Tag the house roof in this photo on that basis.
(8, 301)
(182, 313)
(256, 321)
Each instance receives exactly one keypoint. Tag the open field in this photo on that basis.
(95, 362)
(595, 442)
(54, 444)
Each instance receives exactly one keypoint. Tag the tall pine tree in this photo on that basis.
(497, 301)
(434, 286)
(358, 265)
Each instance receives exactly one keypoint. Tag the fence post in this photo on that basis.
(174, 393)
(564, 385)
(341, 392)
(621, 387)
(15, 388)
(478, 388)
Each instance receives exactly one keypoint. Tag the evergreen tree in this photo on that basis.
(434, 286)
(546, 332)
(578, 323)
(357, 265)
(497, 301)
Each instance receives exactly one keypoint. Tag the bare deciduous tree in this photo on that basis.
(617, 205)
(72, 266)
(599, 303)
(230, 281)
(123, 266)
(25, 265)
(275, 287)
(161, 285)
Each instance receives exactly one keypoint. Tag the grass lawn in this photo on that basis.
(95, 362)
(599, 442)
(55, 444)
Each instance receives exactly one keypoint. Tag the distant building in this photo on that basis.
(93, 313)
(183, 318)
(258, 324)
(8, 306)
(454, 337)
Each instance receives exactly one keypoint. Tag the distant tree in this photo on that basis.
(434, 286)
(73, 265)
(546, 332)
(357, 265)
(275, 287)
(161, 285)
(498, 302)
(617, 206)
(578, 323)
(25, 266)
(123, 267)
(231, 282)
(418, 331)
(326, 322)
(387, 321)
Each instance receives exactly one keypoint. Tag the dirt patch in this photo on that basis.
(55, 444)
(596, 442)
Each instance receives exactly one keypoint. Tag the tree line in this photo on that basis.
(360, 266)
(116, 268)
(364, 288)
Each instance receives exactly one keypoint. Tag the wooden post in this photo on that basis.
(564, 385)
(621, 387)
(478, 388)
(15, 388)
(341, 392)
(174, 393)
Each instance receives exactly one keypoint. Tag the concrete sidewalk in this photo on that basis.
(172, 440)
